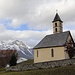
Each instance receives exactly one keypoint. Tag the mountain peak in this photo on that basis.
(22, 49)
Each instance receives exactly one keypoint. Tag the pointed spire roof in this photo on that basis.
(57, 18)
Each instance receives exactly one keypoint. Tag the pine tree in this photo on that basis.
(13, 60)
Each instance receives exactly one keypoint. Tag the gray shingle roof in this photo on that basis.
(53, 40)
(57, 18)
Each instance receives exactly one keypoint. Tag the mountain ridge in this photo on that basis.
(23, 50)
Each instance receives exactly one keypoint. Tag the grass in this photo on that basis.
(29, 61)
(66, 70)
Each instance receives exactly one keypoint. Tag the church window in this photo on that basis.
(55, 24)
(55, 29)
(37, 53)
(52, 52)
(60, 24)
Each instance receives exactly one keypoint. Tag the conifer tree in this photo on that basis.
(13, 60)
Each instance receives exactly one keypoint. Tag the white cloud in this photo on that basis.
(29, 37)
(38, 14)
(15, 23)
(2, 28)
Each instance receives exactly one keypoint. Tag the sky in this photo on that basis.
(30, 20)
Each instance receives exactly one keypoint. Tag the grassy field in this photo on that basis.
(67, 70)
(29, 61)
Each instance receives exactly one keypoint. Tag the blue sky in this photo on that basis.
(31, 20)
(21, 28)
(6, 23)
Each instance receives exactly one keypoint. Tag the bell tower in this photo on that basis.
(57, 24)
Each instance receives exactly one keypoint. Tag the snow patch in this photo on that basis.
(21, 60)
(22, 49)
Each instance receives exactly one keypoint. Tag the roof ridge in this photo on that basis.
(58, 33)
(57, 39)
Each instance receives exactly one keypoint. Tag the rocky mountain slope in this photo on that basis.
(23, 50)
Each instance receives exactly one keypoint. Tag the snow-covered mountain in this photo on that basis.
(23, 50)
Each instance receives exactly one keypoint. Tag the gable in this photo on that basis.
(53, 40)
(70, 40)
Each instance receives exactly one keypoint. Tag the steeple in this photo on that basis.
(57, 24)
(57, 18)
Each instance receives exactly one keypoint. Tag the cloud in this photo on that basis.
(29, 37)
(2, 28)
(15, 23)
(37, 14)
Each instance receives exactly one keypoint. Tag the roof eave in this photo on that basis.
(48, 47)
(57, 20)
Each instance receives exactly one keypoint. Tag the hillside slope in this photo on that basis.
(67, 70)
(23, 50)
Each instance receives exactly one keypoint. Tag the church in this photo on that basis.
(55, 46)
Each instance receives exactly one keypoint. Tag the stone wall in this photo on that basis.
(42, 65)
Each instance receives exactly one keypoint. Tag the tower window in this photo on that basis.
(52, 52)
(55, 29)
(55, 24)
(37, 53)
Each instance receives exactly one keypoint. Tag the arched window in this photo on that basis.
(52, 52)
(55, 24)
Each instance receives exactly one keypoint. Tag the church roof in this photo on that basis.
(53, 40)
(57, 18)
